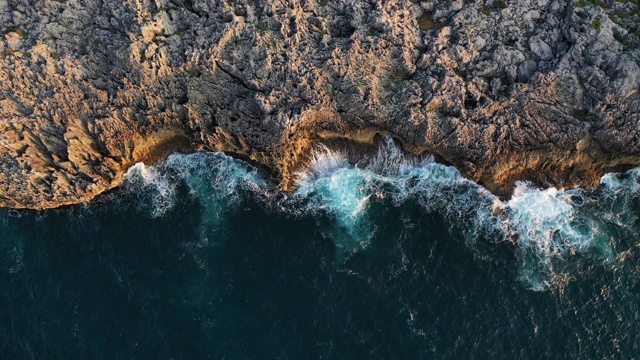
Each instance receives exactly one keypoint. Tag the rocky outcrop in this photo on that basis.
(530, 89)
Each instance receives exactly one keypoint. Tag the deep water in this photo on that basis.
(199, 257)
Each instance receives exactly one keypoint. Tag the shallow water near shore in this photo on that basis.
(200, 257)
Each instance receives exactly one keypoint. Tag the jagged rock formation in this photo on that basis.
(529, 89)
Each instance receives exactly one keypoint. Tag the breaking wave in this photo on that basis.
(549, 228)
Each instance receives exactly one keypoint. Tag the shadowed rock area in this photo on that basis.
(538, 90)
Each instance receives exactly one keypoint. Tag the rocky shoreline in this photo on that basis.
(538, 90)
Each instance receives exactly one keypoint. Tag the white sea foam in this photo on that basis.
(345, 191)
(545, 220)
(619, 193)
(627, 183)
(331, 184)
(214, 179)
(547, 226)
(159, 190)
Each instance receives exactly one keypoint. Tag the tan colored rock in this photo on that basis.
(89, 88)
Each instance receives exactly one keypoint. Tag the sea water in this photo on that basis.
(401, 258)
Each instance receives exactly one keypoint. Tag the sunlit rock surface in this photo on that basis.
(538, 90)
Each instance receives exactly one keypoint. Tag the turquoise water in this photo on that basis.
(200, 257)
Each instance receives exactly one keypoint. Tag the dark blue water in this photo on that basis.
(199, 257)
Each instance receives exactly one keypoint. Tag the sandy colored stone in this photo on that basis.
(534, 91)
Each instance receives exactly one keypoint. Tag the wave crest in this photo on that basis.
(548, 227)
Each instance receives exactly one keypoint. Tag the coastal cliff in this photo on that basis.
(539, 90)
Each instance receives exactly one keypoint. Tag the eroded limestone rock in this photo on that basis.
(538, 90)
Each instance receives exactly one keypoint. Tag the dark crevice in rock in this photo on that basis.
(238, 79)
(182, 100)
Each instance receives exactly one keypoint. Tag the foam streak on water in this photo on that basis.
(548, 227)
